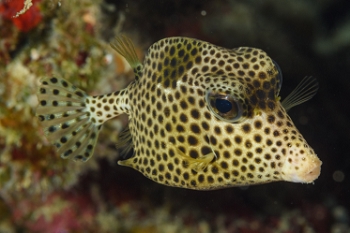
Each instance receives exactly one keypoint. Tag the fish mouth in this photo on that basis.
(313, 173)
(308, 173)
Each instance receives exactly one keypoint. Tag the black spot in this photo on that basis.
(206, 150)
(68, 152)
(217, 130)
(52, 129)
(215, 170)
(79, 93)
(186, 176)
(266, 85)
(205, 69)
(224, 165)
(256, 84)
(168, 127)
(194, 51)
(53, 80)
(181, 70)
(261, 94)
(170, 166)
(65, 125)
(198, 59)
(205, 125)
(168, 176)
(268, 142)
(183, 118)
(200, 178)
(181, 53)
(172, 51)
(238, 152)
(257, 138)
(246, 128)
(267, 156)
(51, 117)
(180, 138)
(250, 155)
(271, 119)
(183, 105)
(189, 65)
(63, 140)
(166, 73)
(262, 75)
(280, 114)
(191, 100)
(257, 160)
(238, 139)
(192, 140)
(229, 129)
(195, 113)
(78, 144)
(271, 105)
(43, 103)
(194, 154)
(276, 133)
(173, 62)
(180, 128)
(166, 63)
(195, 128)
(227, 142)
(210, 179)
(235, 163)
(64, 83)
(207, 115)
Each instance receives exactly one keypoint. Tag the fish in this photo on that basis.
(200, 116)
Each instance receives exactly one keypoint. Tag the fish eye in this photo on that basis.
(224, 106)
(279, 77)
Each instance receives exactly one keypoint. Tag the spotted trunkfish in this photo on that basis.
(200, 117)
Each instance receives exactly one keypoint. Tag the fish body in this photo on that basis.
(200, 117)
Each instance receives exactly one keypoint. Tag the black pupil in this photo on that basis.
(223, 105)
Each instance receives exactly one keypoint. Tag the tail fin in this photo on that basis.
(63, 111)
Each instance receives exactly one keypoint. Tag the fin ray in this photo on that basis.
(200, 163)
(124, 46)
(125, 141)
(305, 90)
(66, 119)
(197, 164)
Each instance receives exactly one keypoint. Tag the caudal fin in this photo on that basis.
(63, 111)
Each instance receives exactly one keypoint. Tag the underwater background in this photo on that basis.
(40, 192)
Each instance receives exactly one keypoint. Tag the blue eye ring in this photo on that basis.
(224, 106)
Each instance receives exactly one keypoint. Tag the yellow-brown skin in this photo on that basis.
(177, 138)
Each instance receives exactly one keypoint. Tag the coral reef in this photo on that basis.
(40, 192)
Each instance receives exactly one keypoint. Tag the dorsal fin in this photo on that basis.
(124, 46)
(305, 90)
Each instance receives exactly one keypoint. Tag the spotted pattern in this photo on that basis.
(171, 123)
(201, 117)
